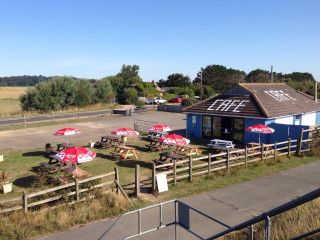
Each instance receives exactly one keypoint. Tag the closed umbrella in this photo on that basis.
(259, 128)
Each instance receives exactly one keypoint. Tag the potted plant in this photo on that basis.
(6, 185)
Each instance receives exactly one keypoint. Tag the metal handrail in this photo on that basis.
(283, 208)
(161, 225)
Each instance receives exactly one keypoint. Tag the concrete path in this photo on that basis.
(231, 205)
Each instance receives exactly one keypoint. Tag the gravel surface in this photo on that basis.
(91, 130)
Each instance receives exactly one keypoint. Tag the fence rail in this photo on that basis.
(224, 160)
(52, 195)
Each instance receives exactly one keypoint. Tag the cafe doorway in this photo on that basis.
(226, 128)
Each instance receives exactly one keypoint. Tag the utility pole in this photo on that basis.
(201, 85)
(271, 74)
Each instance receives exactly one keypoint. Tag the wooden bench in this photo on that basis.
(63, 179)
(49, 166)
(157, 161)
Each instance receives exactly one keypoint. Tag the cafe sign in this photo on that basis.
(227, 105)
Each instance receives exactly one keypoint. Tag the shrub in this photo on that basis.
(139, 103)
(189, 101)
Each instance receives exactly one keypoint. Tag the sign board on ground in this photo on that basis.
(162, 182)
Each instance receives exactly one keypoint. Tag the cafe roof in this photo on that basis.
(257, 100)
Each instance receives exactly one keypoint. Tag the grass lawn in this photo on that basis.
(22, 165)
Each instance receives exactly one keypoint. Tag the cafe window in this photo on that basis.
(206, 127)
(211, 127)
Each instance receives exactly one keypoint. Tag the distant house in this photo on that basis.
(277, 105)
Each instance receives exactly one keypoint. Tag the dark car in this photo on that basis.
(175, 100)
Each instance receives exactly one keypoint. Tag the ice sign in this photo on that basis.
(279, 95)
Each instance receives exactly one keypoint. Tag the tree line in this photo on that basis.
(55, 93)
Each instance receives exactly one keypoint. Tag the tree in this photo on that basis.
(103, 88)
(175, 80)
(219, 77)
(258, 76)
(84, 93)
(131, 95)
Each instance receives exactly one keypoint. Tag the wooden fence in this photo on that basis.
(231, 158)
(49, 198)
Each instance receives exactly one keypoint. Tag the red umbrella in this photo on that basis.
(75, 155)
(174, 139)
(259, 128)
(124, 132)
(66, 132)
(160, 128)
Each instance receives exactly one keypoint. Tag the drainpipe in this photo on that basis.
(315, 91)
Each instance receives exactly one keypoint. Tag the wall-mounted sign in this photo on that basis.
(227, 105)
(150, 96)
(279, 95)
(194, 119)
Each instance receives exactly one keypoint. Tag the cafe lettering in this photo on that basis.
(227, 105)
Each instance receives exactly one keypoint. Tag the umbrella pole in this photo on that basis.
(259, 138)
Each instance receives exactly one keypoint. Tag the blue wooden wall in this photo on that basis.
(195, 130)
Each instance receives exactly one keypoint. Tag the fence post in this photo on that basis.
(116, 177)
(289, 147)
(153, 177)
(246, 156)
(190, 168)
(275, 151)
(77, 189)
(174, 172)
(299, 143)
(262, 151)
(25, 201)
(137, 181)
(228, 158)
(209, 164)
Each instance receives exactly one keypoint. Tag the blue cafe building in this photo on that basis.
(226, 116)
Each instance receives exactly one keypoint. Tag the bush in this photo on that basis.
(189, 101)
(139, 103)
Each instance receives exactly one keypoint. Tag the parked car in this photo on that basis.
(175, 100)
(156, 100)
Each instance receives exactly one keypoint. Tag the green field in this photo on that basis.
(9, 99)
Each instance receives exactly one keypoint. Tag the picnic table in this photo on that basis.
(265, 147)
(73, 172)
(62, 146)
(108, 141)
(221, 143)
(124, 152)
(168, 156)
(154, 143)
(156, 135)
(187, 150)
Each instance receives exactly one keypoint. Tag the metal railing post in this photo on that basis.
(139, 222)
(251, 228)
(267, 226)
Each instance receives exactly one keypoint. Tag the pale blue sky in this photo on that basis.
(92, 39)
